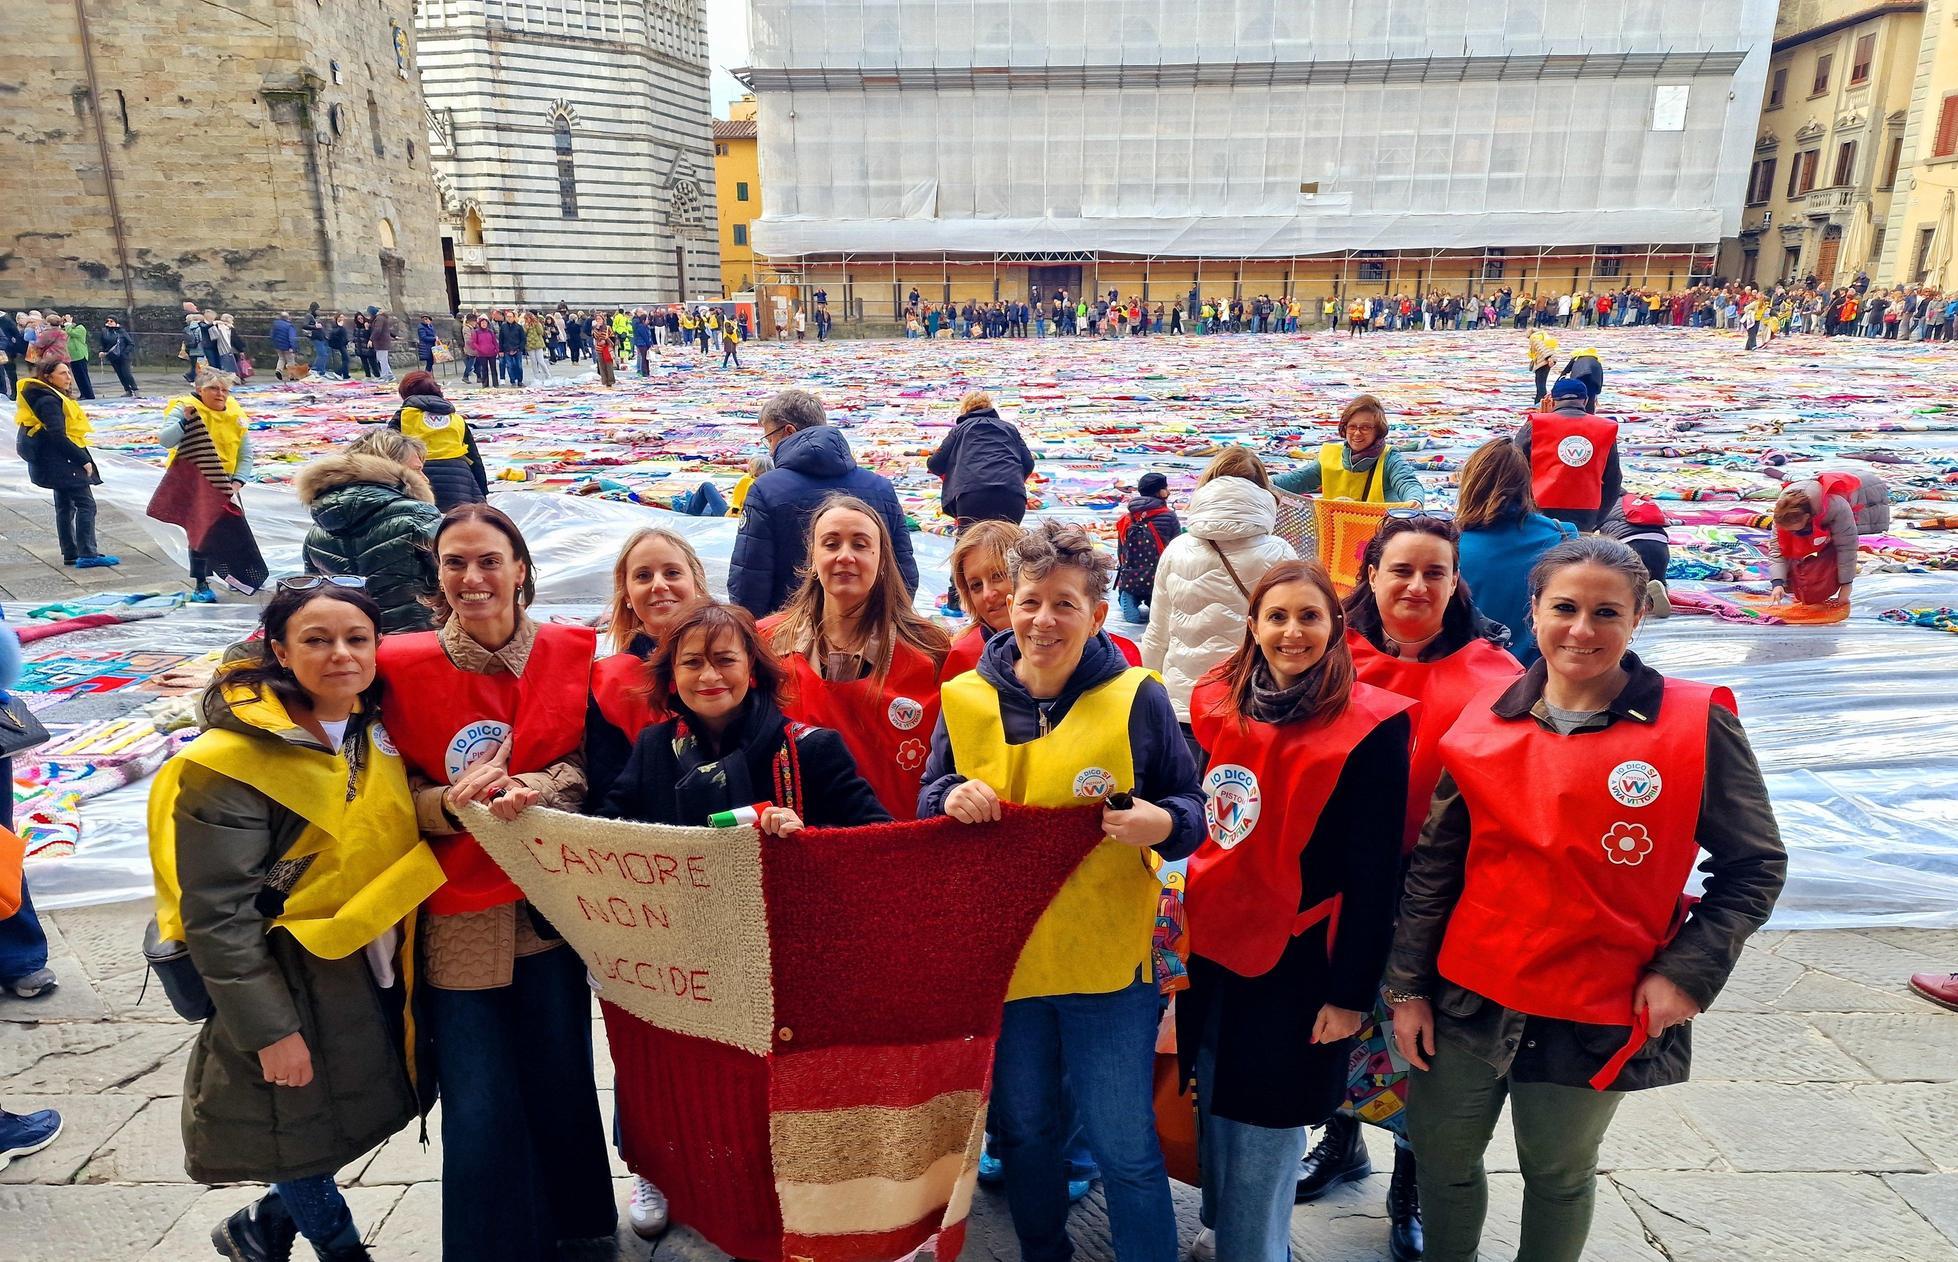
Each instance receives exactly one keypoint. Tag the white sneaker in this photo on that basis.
(1204, 1248)
(647, 1213)
(1661, 603)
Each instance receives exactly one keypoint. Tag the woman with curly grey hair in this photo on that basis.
(1056, 711)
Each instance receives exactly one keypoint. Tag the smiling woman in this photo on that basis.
(1547, 934)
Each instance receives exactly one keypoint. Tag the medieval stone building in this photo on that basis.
(574, 149)
(248, 157)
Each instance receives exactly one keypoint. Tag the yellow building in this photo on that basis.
(737, 187)
(1918, 245)
(1830, 148)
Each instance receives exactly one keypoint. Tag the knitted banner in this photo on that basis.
(802, 1028)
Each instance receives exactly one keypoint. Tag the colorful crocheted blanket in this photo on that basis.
(802, 1028)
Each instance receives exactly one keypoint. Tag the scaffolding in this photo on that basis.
(1218, 130)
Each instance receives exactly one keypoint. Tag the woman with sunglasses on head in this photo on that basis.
(1413, 631)
(303, 1066)
(490, 708)
(1291, 898)
(861, 660)
(1547, 950)
(978, 567)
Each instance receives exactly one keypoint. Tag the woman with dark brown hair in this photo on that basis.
(490, 708)
(861, 660)
(1502, 535)
(1291, 897)
(1359, 467)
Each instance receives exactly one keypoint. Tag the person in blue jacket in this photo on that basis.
(812, 461)
(425, 339)
(1502, 535)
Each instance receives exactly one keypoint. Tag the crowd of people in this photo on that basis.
(1335, 769)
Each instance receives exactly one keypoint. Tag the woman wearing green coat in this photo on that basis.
(373, 516)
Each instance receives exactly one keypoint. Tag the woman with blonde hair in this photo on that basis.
(373, 515)
(979, 575)
(1204, 579)
(657, 577)
(862, 661)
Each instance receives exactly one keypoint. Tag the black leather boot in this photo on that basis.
(352, 1253)
(261, 1232)
(1404, 1237)
(1340, 1157)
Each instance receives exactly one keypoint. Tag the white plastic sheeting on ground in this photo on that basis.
(1207, 128)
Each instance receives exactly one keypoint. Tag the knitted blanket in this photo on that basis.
(802, 1028)
(195, 494)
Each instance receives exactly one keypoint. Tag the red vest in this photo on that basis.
(1444, 688)
(619, 685)
(887, 729)
(1567, 459)
(1813, 584)
(971, 643)
(1266, 784)
(441, 717)
(1572, 886)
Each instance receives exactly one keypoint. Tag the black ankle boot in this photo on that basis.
(261, 1232)
(1340, 1157)
(1404, 1237)
(352, 1253)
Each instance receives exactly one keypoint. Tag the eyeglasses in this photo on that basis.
(313, 582)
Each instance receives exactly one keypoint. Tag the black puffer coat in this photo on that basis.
(984, 455)
(53, 461)
(373, 518)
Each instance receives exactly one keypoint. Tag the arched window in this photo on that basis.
(567, 171)
(385, 230)
(472, 227)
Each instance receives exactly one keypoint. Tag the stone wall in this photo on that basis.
(249, 170)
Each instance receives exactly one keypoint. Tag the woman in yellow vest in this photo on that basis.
(1054, 716)
(53, 438)
(453, 466)
(224, 422)
(286, 859)
(1363, 467)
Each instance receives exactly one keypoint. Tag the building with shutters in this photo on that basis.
(1024, 146)
(1856, 154)
(737, 191)
(572, 148)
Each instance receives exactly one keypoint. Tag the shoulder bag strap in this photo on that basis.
(1229, 569)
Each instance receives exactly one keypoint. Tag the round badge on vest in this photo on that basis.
(905, 713)
(1635, 783)
(1627, 844)
(429, 419)
(1575, 450)
(477, 740)
(1094, 782)
(1231, 804)
(382, 741)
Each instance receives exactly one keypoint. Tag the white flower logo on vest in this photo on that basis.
(475, 741)
(905, 713)
(1231, 803)
(1627, 844)
(1575, 451)
(382, 741)
(1094, 782)
(1635, 783)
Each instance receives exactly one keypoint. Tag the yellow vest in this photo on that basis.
(370, 867)
(1337, 482)
(226, 428)
(1095, 936)
(74, 420)
(442, 434)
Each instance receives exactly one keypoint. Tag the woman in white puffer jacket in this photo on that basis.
(1197, 611)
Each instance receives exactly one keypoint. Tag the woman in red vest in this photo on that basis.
(490, 708)
(1547, 952)
(1291, 897)
(1413, 631)
(1817, 525)
(862, 661)
(657, 578)
(979, 573)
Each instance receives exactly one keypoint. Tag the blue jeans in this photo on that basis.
(1131, 607)
(320, 1212)
(23, 943)
(1249, 1173)
(319, 357)
(1103, 1046)
(523, 1145)
(513, 367)
(704, 500)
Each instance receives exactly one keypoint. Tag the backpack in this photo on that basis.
(1140, 547)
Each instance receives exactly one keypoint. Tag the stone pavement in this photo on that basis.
(1822, 1123)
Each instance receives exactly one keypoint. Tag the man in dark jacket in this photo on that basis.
(425, 339)
(509, 344)
(285, 341)
(12, 347)
(117, 348)
(812, 461)
(1146, 527)
(380, 340)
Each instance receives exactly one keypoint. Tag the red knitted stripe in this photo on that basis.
(701, 1134)
(878, 1246)
(920, 895)
(890, 1077)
